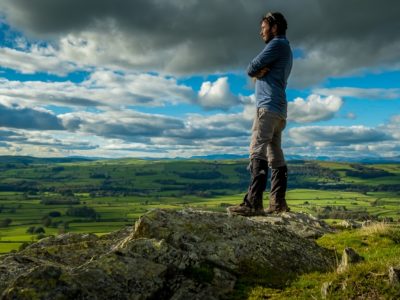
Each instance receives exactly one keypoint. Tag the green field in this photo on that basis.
(120, 191)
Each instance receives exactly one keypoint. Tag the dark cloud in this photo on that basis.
(75, 145)
(213, 127)
(20, 138)
(127, 125)
(46, 98)
(132, 126)
(201, 133)
(28, 118)
(337, 37)
(338, 135)
(5, 134)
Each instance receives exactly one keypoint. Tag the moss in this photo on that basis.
(23, 294)
(252, 279)
(366, 280)
(24, 245)
(203, 273)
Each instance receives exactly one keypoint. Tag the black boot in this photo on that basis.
(253, 200)
(277, 196)
(259, 174)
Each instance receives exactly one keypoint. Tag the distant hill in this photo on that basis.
(221, 156)
(306, 157)
(27, 160)
(44, 160)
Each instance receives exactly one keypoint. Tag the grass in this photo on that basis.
(119, 211)
(8, 247)
(379, 244)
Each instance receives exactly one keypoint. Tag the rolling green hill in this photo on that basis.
(46, 193)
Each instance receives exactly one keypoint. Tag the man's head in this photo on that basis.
(272, 24)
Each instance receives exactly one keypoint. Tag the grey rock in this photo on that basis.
(349, 257)
(326, 289)
(349, 224)
(367, 223)
(394, 276)
(169, 254)
(302, 224)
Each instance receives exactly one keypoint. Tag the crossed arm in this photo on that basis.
(260, 73)
(261, 64)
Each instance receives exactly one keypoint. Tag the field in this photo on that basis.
(40, 198)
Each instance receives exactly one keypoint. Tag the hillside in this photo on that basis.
(39, 199)
(185, 177)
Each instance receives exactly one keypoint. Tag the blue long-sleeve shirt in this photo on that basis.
(270, 89)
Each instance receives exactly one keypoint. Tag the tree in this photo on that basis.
(40, 236)
(86, 212)
(39, 230)
(5, 222)
(54, 214)
(23, 246)
(46, 221)
(30, 230)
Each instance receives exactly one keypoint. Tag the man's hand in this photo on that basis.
(261, 73)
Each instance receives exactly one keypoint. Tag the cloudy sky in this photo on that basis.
(166, 78)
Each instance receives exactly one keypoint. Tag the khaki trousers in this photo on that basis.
(266, 138)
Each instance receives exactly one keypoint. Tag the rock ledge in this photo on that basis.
(168, 255)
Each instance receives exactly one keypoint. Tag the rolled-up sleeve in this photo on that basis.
(266, 57)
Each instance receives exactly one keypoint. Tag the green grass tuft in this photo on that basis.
(366, 280)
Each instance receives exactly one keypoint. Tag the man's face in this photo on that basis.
(266, 32)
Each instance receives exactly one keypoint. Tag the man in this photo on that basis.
(271, 69)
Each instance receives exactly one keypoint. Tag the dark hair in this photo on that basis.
(278, 19)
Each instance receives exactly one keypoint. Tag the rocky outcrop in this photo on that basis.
(302, 224)
(167, 255)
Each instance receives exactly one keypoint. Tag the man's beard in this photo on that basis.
(270, 36)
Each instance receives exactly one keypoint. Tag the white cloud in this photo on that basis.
(101, 89)
(393, 127)
(49, 143)
(109, 89)
(351, 116)
(395, 119)
(34, 60)
(363, 93)
(342, 141)
(217, 95)
(128, 133)
(314, 108)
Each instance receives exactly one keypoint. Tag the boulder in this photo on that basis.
(167, 255)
